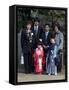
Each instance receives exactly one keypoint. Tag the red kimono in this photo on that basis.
(39, 60)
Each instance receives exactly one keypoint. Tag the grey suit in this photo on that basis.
(59, 40)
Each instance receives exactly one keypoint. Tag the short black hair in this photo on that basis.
(47, 24)
(40, 42)
(57, 25)
(29, 22)
(36, 20)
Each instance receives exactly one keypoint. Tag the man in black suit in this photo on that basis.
(26, 44)
(37, 31)
(46, 35)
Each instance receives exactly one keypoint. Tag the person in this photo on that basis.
(52, 55)
(26, 44)
(59, 43)
(37, 30)
(46, 35)
(39, 58)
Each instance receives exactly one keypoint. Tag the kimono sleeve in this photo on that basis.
(55, 52)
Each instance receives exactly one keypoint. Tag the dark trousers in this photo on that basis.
(28, 66)
(45, 65)
(59, 66)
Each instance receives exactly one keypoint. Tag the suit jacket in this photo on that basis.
(37, 36)
(59, 40)
(46, 41)
(25, 42)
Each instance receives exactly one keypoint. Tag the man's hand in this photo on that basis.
(44, 46)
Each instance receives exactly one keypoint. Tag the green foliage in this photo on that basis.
(24, 14)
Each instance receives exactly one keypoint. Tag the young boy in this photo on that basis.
(52, 54)
(39, 59)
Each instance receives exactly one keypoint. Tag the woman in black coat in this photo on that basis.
(27, 46)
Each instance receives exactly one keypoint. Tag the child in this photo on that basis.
(52, 54)
(39, 58)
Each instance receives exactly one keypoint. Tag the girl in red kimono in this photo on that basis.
(39, 59)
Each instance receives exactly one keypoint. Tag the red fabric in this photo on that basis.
(39, 53)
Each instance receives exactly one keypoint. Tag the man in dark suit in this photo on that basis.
(26, 44)
(46, 35)
(37, 31)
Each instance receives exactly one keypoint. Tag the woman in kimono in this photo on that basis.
(39, 59)
(52, 61)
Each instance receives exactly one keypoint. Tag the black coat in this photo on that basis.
(37, 36)
(46, 41)
(25, 42)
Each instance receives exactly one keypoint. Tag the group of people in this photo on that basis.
(41, 48)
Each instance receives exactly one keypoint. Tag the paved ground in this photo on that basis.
(22, 77)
